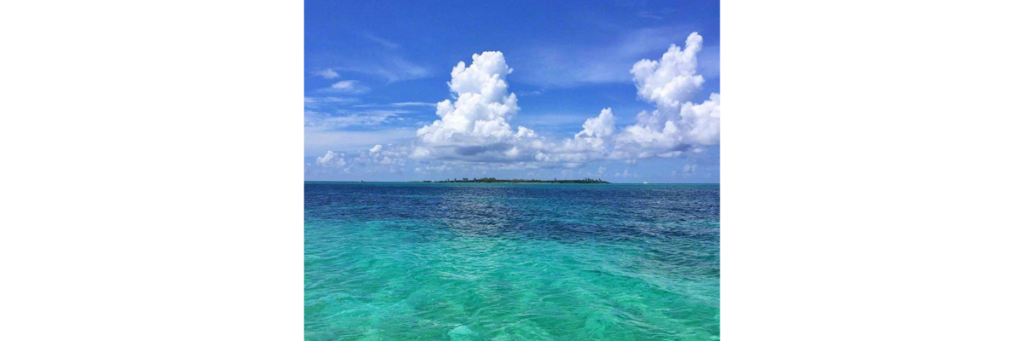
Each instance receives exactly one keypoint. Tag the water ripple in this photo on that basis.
(511, 262)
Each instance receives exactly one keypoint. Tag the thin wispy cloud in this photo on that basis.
(414, 104)
(397, 105)
(322, 120)
(349, 87)
(383, 42)
(315, 102)
(659, 15)
(649, 15)
(391, 68)
(597, 64)
(319, 140)
(326, 74)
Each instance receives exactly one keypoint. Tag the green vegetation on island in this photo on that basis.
(493, 180)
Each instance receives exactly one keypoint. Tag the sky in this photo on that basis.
(625, 91)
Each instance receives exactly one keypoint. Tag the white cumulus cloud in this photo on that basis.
(601, 126)
(331, 159)
(477, 124)
(673, 78)
(677, 124)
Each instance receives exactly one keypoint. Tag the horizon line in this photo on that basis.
(439, 181)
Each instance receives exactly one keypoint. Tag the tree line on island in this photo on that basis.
(494, 180)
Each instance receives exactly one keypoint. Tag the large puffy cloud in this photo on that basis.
(589, 144)
(482, 107)
(477, 125)
(601, 126)
(677, 124)
(674, 78)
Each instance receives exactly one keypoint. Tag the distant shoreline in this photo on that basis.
(518, 181)
(441, 181)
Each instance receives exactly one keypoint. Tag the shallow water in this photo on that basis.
(416, 261)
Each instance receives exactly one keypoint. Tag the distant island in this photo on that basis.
(493, 180)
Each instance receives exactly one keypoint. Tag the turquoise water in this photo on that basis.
(415, 261)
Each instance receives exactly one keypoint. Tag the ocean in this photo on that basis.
(442, 261)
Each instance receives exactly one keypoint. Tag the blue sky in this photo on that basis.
(376, 71)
